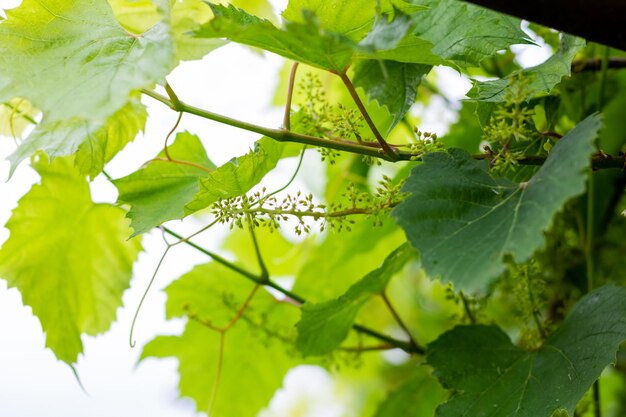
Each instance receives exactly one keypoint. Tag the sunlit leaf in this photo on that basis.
(255, 356)
(350, 18)
(305, 39)
(95, 143)
(160, 190)
(239, 175)
(304, 42)
(69, 258)
(56, 38)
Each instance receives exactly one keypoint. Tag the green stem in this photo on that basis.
(596, 64)
(265, 276)
(535, 310)
(590, 272)
(173, 97)
(314, 214)
(131, 340)
(397, 318)
(589, 233)
(596, 399)
(293, 177)
(466, 307)
(395, 342)
(281, 135)
(215, 257)
(603, 73)
(20, 113)
(292, 82)
(357, 100)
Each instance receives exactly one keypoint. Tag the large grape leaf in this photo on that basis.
(158, 191)
(353, 19)
(466, 34)
(325, 325)
(541, 78)
(94, 142)
(239, 175)
(464, 222)
(255, 357)
(455, 33)
(42, 41)
(305, 42)
(392, 84)
(69, 258)
(491, 376)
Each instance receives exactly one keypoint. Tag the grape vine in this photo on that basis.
(486, 254)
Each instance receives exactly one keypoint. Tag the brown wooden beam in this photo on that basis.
(602, 21)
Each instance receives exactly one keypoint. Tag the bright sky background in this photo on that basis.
(231, 81)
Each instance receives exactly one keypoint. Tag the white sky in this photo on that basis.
(231, 81)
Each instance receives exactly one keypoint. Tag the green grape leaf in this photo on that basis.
(543, 77)
(158, 191)
(54, 38)
(466, 34)
(95, 143)
(239, 175)
(69, 258)
(455, 33)
(325, 325)
(137, 16)
(15, 116)
(392, 84)
(304, 42)
(464, 222)
(350, 18)
(254, 356)
(419, 396)
(353, 19)
(491, 376)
